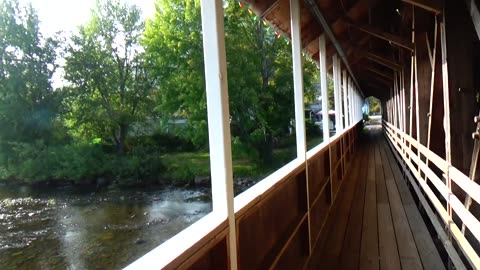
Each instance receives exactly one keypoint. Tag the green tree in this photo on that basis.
(28, 104)
(374, 105)
(173, 44)
(260, 80)
(259, 72)
(109, 87)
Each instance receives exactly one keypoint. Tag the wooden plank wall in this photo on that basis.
(277, 230)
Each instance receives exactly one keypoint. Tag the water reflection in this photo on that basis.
(85, 230)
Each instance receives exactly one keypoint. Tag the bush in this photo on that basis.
(164, 142)
(34, 162)
(365, 117)
(312, 129)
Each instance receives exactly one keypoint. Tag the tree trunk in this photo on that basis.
(267, 149)
(123, 128)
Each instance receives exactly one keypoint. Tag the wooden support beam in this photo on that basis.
(352, 55)
(271, 7)
(475, 14)
(336, 92)
(434, 6)
(387, 83)
(298, 78)
(383, 61)
(323, 86)
(262, 8)
(218, 119)
(379, 72)
(396, 40)
(354, 14)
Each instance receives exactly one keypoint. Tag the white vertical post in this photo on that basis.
(446, 95)
(298, 79)
(395, 101)
(354, 105)
(323, 86)
(348, 109)
(404, 101)
(219, 117)
(298, 96)
(350, 105)
(336, 85)
(340, 106)
(345, 106)
(354, 102)
(446, 113)
(394, 113)
(412, 75)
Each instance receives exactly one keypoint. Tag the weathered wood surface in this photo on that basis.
(374, 223)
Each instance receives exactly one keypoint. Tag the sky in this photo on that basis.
(67, 15)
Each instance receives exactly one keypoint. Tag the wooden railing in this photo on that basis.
(278, 221)
(425, 170)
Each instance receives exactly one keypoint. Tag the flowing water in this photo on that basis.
(70, 228)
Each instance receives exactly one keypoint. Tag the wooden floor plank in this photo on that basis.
(407, 249)
(334, 242)
(330, 231)
(387, 242)
(353, 235)
(426, 248)
(375, 223)
(369, 256)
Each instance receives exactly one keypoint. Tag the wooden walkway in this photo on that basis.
(375, 223)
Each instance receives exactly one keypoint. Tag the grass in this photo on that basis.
(184, 166)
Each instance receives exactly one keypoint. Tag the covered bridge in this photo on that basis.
(403, 195)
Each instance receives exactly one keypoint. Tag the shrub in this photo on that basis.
(312, 129)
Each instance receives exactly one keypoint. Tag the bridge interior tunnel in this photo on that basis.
(421, 59)
(393, 50)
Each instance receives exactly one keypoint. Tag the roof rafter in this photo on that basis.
(396, 40)
(382, 60)
(434, 6)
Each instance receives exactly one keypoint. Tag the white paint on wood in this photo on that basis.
(323, 86)
(219, 117)
(344, 95)
(298, 79)
(336, 93)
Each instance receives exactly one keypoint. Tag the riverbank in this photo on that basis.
(153, 169)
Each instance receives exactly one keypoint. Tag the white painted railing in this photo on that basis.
(412, 156)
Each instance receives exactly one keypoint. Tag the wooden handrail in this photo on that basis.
(398, 140)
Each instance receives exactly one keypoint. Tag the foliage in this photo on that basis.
(122, 77)
(375, 106)
(173, 45)
(365, 117)
(28, 104)
(312, 129)
(84, 163)
(107, 71)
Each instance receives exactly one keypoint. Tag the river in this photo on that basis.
(72, 228)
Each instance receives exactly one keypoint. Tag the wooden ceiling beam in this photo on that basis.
(378, 79)
(396, 40)
(375, 89)
(270, 6)
(314, 32)
(380, 73)
(434, 6)
(356, 12)
(382, 61)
